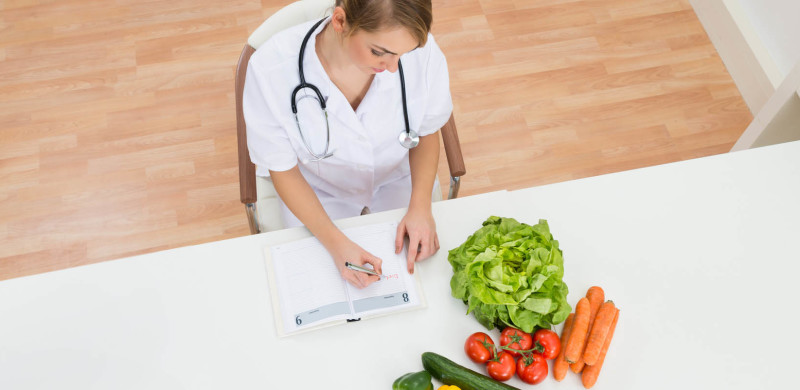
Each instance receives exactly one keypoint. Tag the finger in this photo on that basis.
(436, 241)
(367, 279)
(398, 241)
(362, 279)
(424, 250)
(431, 247)
(372, 279)
(413, 247)
(353, 279)
(375, 261)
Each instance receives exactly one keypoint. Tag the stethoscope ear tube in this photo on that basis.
(403, 93)
(303, 51)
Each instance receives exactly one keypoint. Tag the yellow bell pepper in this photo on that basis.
(449, 387)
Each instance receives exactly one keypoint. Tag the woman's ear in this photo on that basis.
(339, 20)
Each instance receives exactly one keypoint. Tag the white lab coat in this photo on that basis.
(369, 167)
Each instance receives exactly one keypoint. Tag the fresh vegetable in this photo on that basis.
(448, 387)
(577, 367)
(532, 368)
(413, 381)
(451, 373)
(479, 347)
(502, 367)
(596, 296)
(560, 365)
(515, 339)
(510, 274)
(590, 373)
(548, 340)
(600, 328)
(580, 326)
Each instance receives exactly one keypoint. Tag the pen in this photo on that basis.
(361, 269)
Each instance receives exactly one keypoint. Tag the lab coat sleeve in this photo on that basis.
(439, 103)
(267, 141)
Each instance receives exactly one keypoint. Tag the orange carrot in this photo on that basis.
(596, 296)
(590, 374)
(560, 364)
(605, 316)
(580, 328)
(577, 367)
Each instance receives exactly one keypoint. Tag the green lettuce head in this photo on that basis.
(510, 274)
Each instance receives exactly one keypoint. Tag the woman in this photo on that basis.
(348, 160)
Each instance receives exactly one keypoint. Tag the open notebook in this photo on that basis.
(308, 292)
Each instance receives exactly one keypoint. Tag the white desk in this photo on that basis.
(702, 258)
(694, 253)
(200, 318)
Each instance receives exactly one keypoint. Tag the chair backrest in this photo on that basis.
(291, 15)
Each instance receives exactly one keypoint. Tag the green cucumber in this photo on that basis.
(451, 373)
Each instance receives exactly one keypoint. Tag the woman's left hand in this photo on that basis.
(423, 242)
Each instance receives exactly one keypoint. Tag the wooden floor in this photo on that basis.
(117, 125)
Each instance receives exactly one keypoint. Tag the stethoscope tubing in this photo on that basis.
(403, 93)
(407, 140)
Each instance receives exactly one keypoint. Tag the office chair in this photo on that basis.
(257, 193)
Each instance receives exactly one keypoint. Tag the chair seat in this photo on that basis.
(268, 206)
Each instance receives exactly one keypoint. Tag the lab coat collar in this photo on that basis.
(340, 110)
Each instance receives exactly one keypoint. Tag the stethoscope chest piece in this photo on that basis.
(409, 139)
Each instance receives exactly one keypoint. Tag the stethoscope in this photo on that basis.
(408, 138)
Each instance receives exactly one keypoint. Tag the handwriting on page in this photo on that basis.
(391, 290)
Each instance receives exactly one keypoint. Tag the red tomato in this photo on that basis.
(516, 339)
(479, 347)
(503, 368)
(532, 368)
(549, 341)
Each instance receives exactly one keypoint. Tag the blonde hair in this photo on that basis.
(374, 15)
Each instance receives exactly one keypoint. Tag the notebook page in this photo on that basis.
(310, 289)
(396, 290)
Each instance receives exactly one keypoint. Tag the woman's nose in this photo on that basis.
(391, 65)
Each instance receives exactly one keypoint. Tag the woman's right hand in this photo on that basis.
(348, 251)
(301, 200)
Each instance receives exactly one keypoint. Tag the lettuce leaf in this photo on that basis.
(510, 274)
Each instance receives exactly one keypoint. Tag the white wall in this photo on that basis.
(779, 120)
(777, 23)
(739, 46)
(759, 42)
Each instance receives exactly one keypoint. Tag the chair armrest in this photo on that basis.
(247, 170)
(452, 148)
